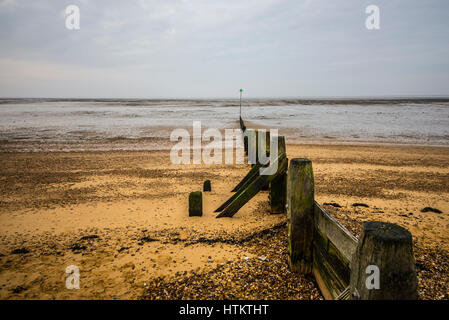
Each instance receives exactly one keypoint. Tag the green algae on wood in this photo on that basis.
(244, 195)
(207, 186)
(389, 248)
(278, 194)
(196, 204)
(300, 212)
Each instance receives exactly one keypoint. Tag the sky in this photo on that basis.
(211, 49)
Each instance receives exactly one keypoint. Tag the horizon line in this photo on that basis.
(379, 97)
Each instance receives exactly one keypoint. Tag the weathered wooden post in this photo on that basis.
(278, 194)
(385, 250)
(266, 150)
(256, 147)
(300, 210)
(207, 186)
(278, 187)
(196, 204)
(242, 125)
(245, 143)
(262, 149)
(251, 138)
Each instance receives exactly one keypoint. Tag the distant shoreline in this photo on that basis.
(58, 124)
(286, 101)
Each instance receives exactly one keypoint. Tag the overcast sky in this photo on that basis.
(206, 48)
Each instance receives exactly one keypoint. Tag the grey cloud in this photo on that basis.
(206, 48)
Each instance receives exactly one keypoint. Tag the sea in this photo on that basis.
(86, 124)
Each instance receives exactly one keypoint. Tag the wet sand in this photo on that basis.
(121, 217)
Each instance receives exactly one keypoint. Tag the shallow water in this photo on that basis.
(415, 121)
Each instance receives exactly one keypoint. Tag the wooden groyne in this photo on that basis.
(380, 265)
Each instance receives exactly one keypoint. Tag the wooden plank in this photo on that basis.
(242, 197)
(333, 268)
(333, 249)
(345, 295)
(249, 178)
(250, 175)
(335, 232)
(321, 284)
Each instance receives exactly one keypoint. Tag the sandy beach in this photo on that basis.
(121, 217)
(100, 101)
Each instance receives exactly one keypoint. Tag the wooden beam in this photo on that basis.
(385, 249)
(252, 172)
(335, 232)
(242, 197)
(300, 210)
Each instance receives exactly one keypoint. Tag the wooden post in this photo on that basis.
(245, 143)
(207, 186)
(278, 187)
(300, 210)
(278, 194)
(256, 146)
(389, 249)
(196, 204)
(281, 145)
(263, 149)
(242, 125)
(251, 138)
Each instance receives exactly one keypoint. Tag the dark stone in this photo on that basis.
(147, 239)
(78, 247)
(18, 289)
(421, 267)
(122, 249)
(93, 236)
(333, 204)
(20, 251)
(430, 209)
(360, 205)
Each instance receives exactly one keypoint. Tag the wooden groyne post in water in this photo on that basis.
(379, 266)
